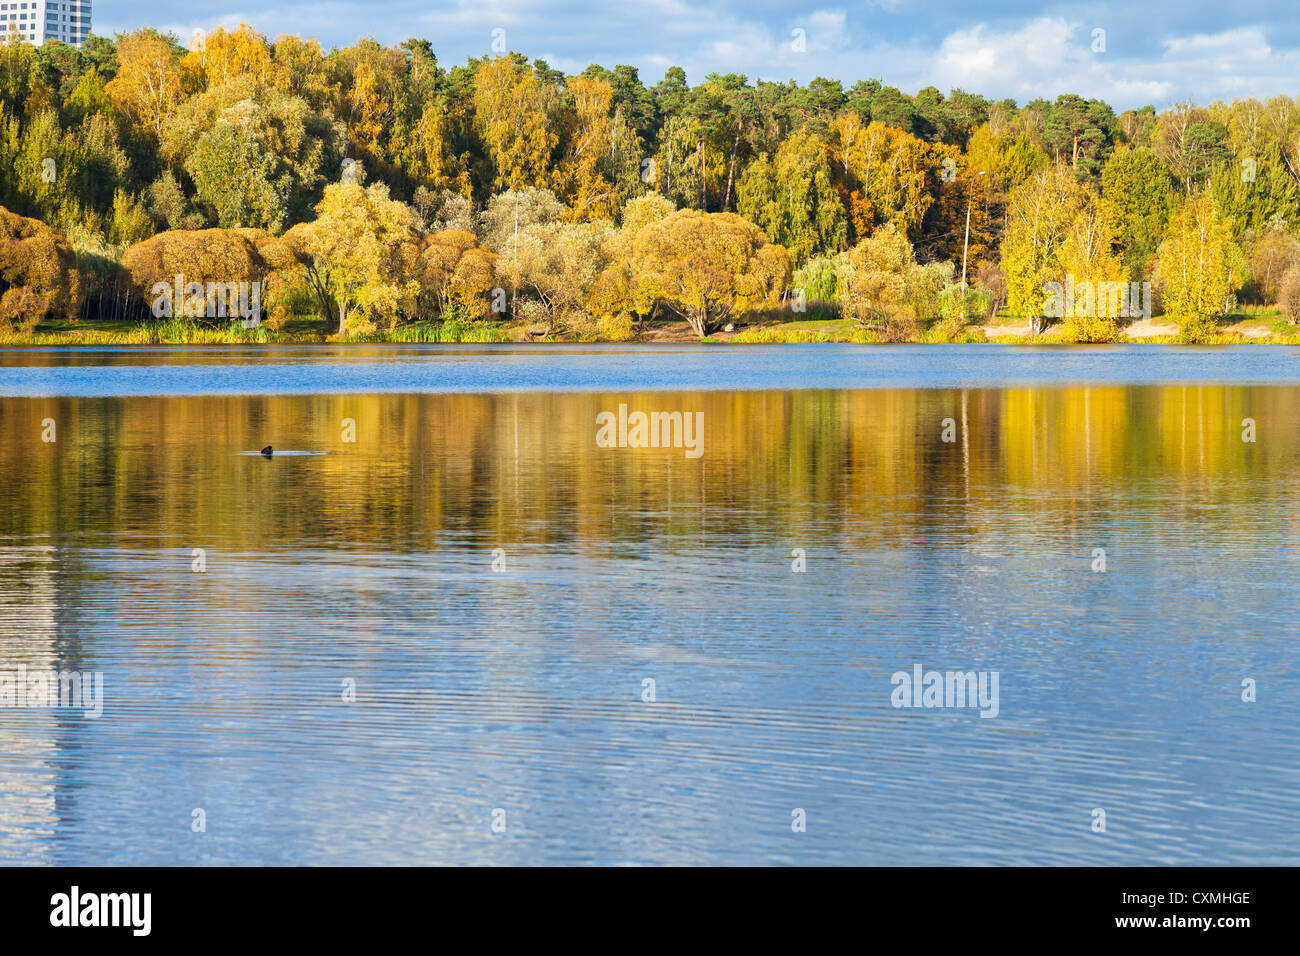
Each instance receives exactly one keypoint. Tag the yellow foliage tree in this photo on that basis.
(511, 114)
(433, 160)
(149, 82)
(706, 267)
(38, 273)
(557, 265)
(1095, 275)
(368, 110)
(877, 281)
(1040, 212)
(359, 255)
(581, 180)
(610, 294)
(881, 173)
(225, 54)
(298, 67)
(1198, 266)
(215, 259)
(456, 271)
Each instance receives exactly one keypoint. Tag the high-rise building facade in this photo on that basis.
(39, 20)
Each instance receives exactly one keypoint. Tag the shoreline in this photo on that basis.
(1245, 330)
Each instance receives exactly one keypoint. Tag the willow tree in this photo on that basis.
(360, 255)
(202, 262)
(706, 267)
(456, 271)
(793, 199)
(610, 293)
(38, 273)
(876, 287)
(557, 264)
(257, 155)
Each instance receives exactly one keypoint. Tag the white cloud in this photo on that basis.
(1044, 57)
(1041, 56)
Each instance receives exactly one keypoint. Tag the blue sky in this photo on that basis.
(1154, 52)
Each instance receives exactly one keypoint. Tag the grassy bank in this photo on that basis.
(1256, 326)
(174, 332)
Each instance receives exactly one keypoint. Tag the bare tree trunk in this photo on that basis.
(698, 319)
(1290, 167)
(704, 196)
(731, 170)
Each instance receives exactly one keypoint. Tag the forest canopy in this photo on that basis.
(370, 186)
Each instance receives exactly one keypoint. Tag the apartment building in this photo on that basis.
(39, 20)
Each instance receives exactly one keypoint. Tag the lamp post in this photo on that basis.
(970, 198)
(514, 266)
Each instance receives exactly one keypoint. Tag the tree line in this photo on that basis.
(368, 186)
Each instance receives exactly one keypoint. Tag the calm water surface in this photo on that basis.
(371, 564)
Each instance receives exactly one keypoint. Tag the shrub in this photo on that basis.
(1289, 294)
(618, 328)
(38, 273)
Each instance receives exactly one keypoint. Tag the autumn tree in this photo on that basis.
(66, 177)
(507, 217)
(556, 266)
(1198, 265)
(582, 176)
(878, 284)
(793, 199)
(456, 272)
(225, 54)
(706, 267)
(201, 261)
(371, 99)
(610, 294)
(675, 170)
(1094, 273)
(38, 274)
(510, 107)
(257, 155)
(1289, 295)
(299, 68)
(882, 174)
(359, 255)
(1270, 255)
(434, 161)
(1007, 160)
(149, 82)
(1040, 212)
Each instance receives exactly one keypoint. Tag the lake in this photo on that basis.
(472, 627)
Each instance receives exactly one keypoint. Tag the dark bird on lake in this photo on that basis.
(267, 451)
